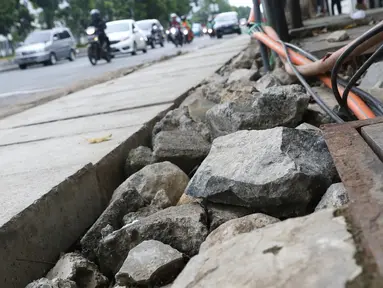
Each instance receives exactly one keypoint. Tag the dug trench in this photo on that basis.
(233, 187)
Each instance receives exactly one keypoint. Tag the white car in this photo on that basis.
(125, 37)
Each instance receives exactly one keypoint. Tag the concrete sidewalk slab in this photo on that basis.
(41, 147)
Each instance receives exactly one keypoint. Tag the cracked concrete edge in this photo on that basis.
(33, 240)
(45, 97)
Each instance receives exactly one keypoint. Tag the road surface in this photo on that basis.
(20, 88)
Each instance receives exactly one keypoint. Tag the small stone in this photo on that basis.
(108, 229)
(139, 215)
(315, 251)
(211, 91)
(283, 77)
(335, 197)
(243, 75)
(315, 116)
(338, 36)
(161, 200)
(197, 106)
(307, 126)
(74, 267)
(138, 158)
(150, 263)
(240, 92)
(281, 172)
(266, 81)
(186, 149)
(186, 199)
(219, 214)
(235, 227)
(182, 227)
(55, 283)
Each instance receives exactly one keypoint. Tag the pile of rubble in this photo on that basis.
(231, 193)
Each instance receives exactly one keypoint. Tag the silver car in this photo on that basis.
(47, 47)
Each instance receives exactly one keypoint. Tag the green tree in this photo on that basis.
(243, 11)
(8, 15)
(25, 20)
(49, 10)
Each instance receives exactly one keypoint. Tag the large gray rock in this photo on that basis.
(197, 105)
(315, 251)
(179, 120)
(235, 227)
(139, 215)
(277, 106)
(243, 75)
(212, 89)
(267, 81)
(240, 92)
(246, 59)
(55, 283)
(283, 77)
(74, 267)
(186, 149)
(165, 175)
(150, 263)
(218, 214)
(138, 158)
(182, 227)
(281, 172)
(125, 199)
(335, 197)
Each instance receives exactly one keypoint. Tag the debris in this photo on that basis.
(335, 197)
(182, 227)
(139, 215)
(281, 172)
(306, 126)
(243, 75)
(108, 229)
(161, 200)
(186, 199)
(55, 283)
(186, 149)
(150, 263)
(240, 92)
(338, 36)
(99, 140)
(73, 266)
(266, 81)
(315, 251)
(235, 227)
(197, 105)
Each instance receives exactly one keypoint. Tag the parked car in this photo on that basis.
(154, 32)
(197, 29)
(125, 37)
(46, 46)
(226, 23)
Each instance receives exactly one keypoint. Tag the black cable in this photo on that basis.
(320, 102)
(334, 74)
(360, 72)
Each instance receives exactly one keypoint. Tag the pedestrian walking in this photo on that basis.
(338, 6)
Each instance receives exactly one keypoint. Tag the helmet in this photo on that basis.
(94, 12)
(183, 17)
(173, 15)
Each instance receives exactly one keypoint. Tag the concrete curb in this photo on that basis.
(52, 225)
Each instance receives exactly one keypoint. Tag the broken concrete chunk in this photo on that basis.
(125, 199)
(182, 148)
(73, 266)
(335, 197)
(140, 214)
(182, 227)
(186, 199)
(55, 283)
(235, 227)
(179, 120)
(138, 158)
(108, 229)
(266, 81)
(277, 106)
(211, 90)
(281, 172)
(150, 263)
(283, 77)
(197, 106)
(161, 200)
(307, 126)
(246, 59)
(243, 75)
(240, 92)
(315, 251)
(165, 175)
(338, 36)
(314, 115)
(220, 213)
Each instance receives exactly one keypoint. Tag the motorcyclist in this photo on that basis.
(186, 24)
(174, 21)
(100, 26)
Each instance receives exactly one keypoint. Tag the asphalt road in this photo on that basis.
(22, 89)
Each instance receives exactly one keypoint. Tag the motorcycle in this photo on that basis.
(175, 36)
(96, 52)
(187, 35)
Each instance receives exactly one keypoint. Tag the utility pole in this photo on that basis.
(296, 15)
(258, 17)
(276, 13)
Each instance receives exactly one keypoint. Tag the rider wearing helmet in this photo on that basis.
(100, 26)
(174, 21)
(185, 23)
